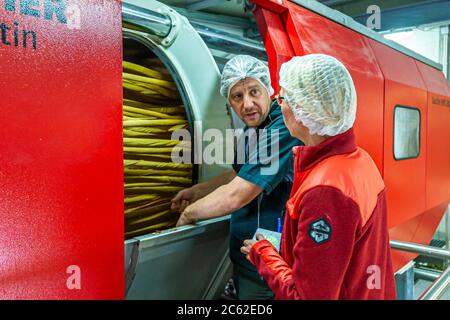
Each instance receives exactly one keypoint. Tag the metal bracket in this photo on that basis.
(438, 288)
(176, 26)
(405, 277)
(221, 272)
(404, 282)
(131, 272)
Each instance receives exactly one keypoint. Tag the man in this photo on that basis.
(335, 238)
(256, 198)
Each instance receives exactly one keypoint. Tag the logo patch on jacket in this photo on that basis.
(320, 231)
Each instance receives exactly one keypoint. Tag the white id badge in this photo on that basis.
(273, 237)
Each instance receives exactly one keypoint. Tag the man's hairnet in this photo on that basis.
(241, 67)
(320, 92)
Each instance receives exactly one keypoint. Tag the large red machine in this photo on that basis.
(61, 152)
(418, 189)
(61, 168)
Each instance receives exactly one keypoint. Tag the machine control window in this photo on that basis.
(406, 133)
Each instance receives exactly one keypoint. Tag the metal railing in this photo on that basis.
(218, 39)
(421, 249)
(442, 283)
(438, 288)
(426, 274)
(152, 22)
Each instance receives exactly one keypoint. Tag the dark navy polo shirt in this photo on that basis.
(274, 177)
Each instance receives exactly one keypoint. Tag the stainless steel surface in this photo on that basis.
(425, 274)
(421, 249)
(348, 22)
(186, 262)
(180, 264)
(131, 257)
(404, 282)
(153, 22)
(227, 7)
(203, 4)
(224, 271)
(334, 2)
(208, 18)
(224, 41)
(177, 234)
(438, 288)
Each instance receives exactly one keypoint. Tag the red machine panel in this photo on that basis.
(277, 43)
(410, 218)
(405, 178)
(438, 156)
(353, 51)
(61, 170)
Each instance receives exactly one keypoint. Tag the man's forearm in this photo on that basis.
(224, 200)
(202, 189)
(215, 204)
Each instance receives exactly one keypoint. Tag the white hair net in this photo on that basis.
(241, 67)
(320, 92)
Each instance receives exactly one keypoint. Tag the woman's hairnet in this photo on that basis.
(320, 92)
(241, 67)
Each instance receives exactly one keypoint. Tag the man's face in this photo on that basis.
(250, 100)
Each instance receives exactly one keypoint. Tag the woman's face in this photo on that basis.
(296, 129)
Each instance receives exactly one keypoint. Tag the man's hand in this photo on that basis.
(185, 218)
(193, 204)
(248, 244)
(183, 198)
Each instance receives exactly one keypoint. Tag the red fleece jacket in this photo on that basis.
(335, 242)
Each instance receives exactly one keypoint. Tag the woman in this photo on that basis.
(335, 242)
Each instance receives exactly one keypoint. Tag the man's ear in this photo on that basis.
(227, 105)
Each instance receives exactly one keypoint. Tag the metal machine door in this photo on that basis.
(190, 262)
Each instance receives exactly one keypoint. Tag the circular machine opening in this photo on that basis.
(153, 108)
